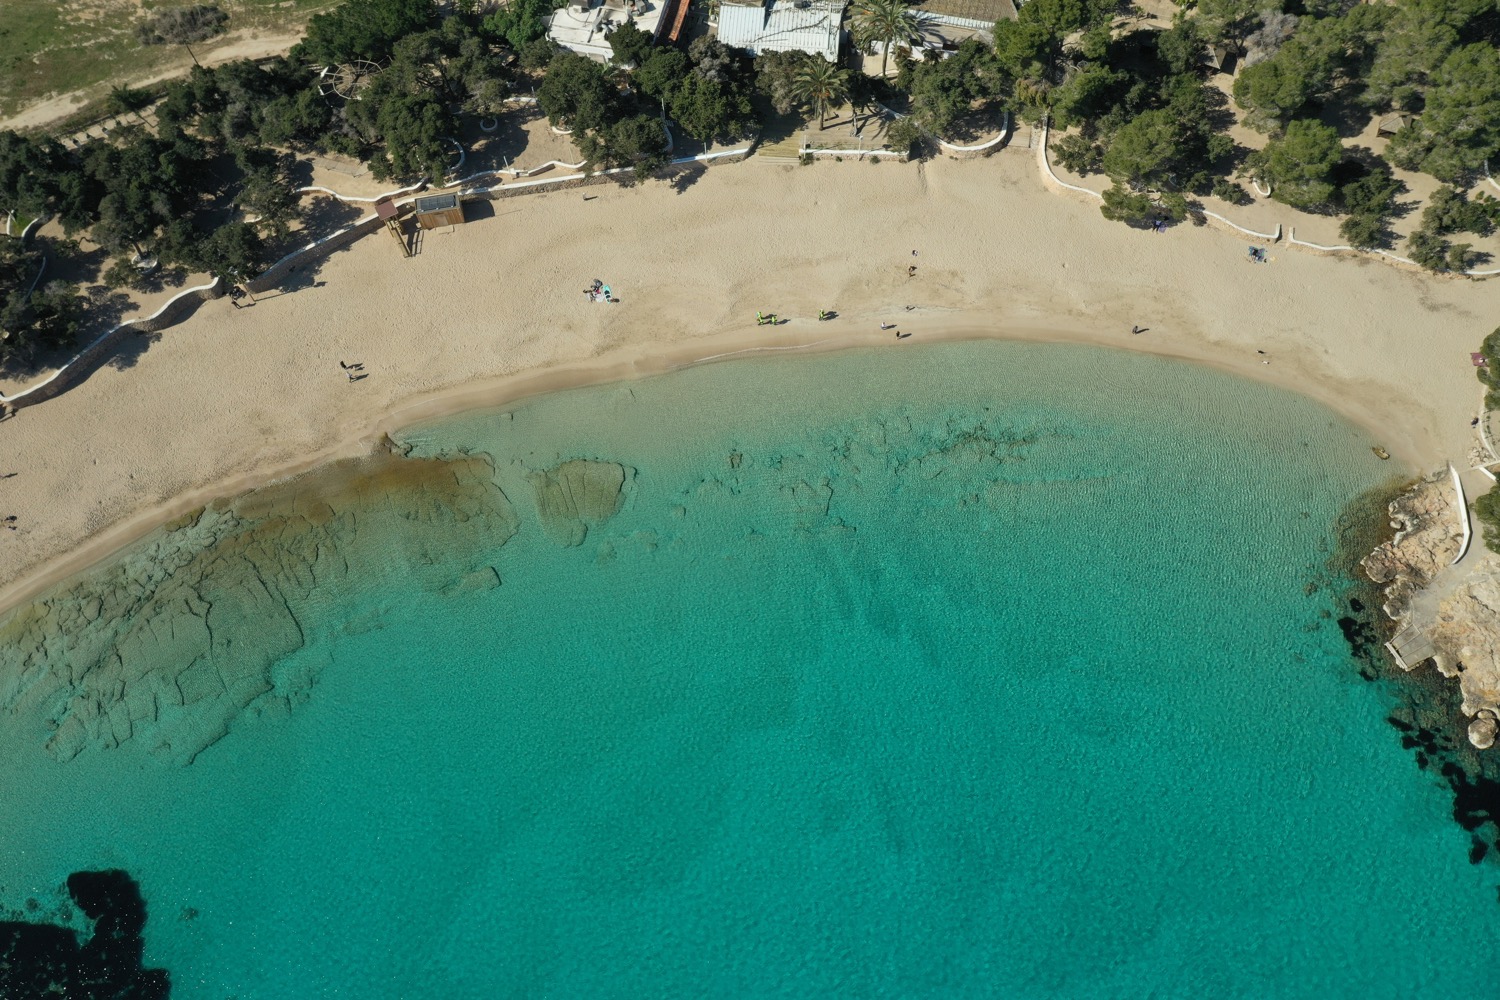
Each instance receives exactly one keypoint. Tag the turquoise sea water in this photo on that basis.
(972, 670)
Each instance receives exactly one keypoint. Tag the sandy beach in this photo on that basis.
(494, 310)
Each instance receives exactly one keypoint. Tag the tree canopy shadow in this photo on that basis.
(302, 275)
(1345, 113)
(325, 214)
(686, 176)
(494, 150)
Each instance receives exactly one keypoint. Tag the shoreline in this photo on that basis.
(489, 315)
(497, 392)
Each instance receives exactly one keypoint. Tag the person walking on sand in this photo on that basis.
(887, 326)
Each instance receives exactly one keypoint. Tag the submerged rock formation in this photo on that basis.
(174, 640)
(1460, 616)
(42, 960)
(575, 495)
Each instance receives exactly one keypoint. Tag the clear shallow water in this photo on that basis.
(972, 670)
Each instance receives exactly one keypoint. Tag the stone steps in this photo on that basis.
(788, 149)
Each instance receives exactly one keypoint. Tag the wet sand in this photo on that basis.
(494, 311)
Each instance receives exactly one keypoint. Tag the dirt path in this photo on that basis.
(248, 44)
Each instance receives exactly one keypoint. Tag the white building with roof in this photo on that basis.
(783, 26)
(584, 26)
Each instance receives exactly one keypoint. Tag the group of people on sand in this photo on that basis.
(599, 292)
(771, 319)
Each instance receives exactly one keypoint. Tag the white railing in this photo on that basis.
(1463, 514)
(1292, 238)
(105, 336)
(317, 189)
(951, 147)
(344, 231)
(700, 158)
(1042, 155)
(1047, 165)
(1273, 237)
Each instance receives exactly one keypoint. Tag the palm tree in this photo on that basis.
(888, 22)
(820, 84)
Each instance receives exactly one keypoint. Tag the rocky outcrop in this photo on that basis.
(1466, 635)
(1461, 618)
(1483, 729)
(1427, 538)
(575, 495)
(173, 640)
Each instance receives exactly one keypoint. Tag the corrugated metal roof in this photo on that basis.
(783, 25)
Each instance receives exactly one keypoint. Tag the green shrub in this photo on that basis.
(1427, 249)
(1364, 231)
(1231, 192)
(1487, 509)
(123, 274)
(1450, 211)
(903, 136)
(1075, 153)
(1490, 374)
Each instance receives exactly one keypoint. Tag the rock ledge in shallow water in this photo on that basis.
(575, 495)
(171, 641)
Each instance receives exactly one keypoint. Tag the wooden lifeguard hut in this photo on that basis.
(389, 213)
(439, 210)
